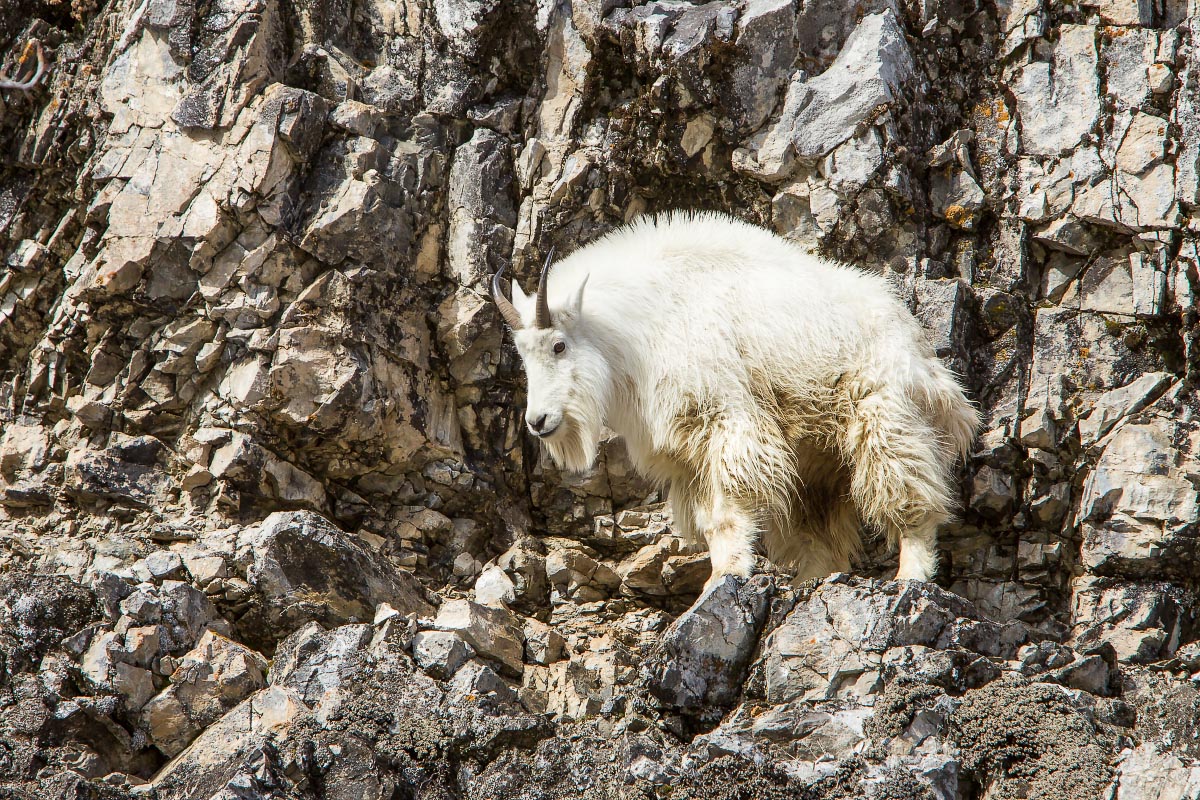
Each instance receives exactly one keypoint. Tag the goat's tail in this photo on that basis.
(951, 412)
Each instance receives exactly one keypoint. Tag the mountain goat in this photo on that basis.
(782, 397)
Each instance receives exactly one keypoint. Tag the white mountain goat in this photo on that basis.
(782, 397)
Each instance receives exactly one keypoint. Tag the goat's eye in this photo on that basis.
(560, 348)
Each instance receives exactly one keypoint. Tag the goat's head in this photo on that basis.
(566, 374)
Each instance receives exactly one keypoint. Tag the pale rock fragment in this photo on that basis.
(1123, 12)
(543, 644)
(1058, 103)
(208, 681)
(1022, 20)
(493, 587)
(1161, 78)
(1127, 56)
(1148, 773)
(441, 653)
(822, 112)
(1114, 405)
(493, 632)
(233, 737)
(1138, 505)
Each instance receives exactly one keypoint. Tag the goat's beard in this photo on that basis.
(577, 446)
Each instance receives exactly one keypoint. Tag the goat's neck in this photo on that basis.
(624, 414)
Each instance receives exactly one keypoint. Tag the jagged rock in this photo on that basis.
(820, 113)
(255, 469)
(217, 752)
(1058, 102)
(1039, 429)
(493, 587)
(1124, 12)
(163, 564)
(130, 472)
(543, 644)
(107, 664)
(704, 653)
(576, 575)
(476, 682)
(1113, 406)
(527, 571)
(481, 213)
(440, 653)
(993, 493)
(957, 198)
(1142, 621)
(765, 28)
(643, 571)
(583, 684)
(942, 307)
(317, 664)
(205, 569)
(209, 680)
(22, 448)
(1145, 773)
(304, 568)
(1145, 531)
(492, 632)
(837, 639)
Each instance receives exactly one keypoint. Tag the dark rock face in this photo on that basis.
(704, 654)
(304, 568)
(36, 613)
(269, 523)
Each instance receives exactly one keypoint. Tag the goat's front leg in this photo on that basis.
(730, 530)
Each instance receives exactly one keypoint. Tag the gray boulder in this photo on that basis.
(701, 662)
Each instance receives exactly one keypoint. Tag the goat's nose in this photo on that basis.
(538, 423)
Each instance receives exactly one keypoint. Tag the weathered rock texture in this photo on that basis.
(270, 527)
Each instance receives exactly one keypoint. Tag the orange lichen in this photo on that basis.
(959, 217)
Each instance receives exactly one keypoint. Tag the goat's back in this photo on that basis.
(708, 295)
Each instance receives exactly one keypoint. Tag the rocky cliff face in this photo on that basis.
(270, 524)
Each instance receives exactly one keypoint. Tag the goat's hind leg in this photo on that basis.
(900, 481)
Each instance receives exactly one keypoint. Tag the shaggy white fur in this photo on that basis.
(783, 397)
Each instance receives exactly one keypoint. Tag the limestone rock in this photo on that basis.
(227, 742)
(820, 113)
(317, 664)
(481, 213)
(579, 576)
(1146, 773)
(836, 638)
(493, 587)
(1142, 531)
(1142, 621)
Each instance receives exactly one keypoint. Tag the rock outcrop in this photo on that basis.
(269, 522)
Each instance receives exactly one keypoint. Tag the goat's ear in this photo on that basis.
(575, 301)
(522, 302)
